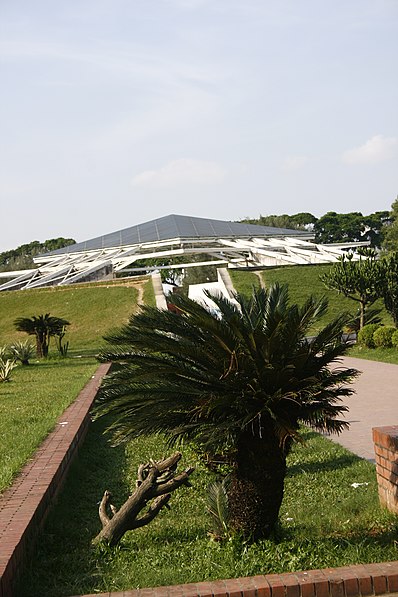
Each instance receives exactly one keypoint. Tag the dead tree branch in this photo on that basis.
(155, 481)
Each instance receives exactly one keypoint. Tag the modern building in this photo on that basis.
(146, 247)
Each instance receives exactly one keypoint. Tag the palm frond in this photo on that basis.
(218, 508)
(195, 375)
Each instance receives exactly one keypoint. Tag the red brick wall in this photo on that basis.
(386, 450)
(350, 581)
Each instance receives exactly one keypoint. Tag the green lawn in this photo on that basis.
(244, 281)
(30, 404)
(40, 392)
(92, 310)
(324, 522)
(384, 355)
(303, 280)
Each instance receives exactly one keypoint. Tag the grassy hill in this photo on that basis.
(303, 280)
(92, 309)
(39, 393)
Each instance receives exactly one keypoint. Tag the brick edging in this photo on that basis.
(360, 580)
(25, 505)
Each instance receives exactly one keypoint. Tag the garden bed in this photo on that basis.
(326, 521)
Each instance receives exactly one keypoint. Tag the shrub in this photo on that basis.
(383, 336)
(22, 351)
(394, 339)
(62, 348)
(365, 335)
(4, 352)
(5, 369)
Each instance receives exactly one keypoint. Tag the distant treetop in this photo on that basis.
(333, 227)
(22, 256)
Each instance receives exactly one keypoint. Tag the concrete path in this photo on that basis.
(374, 404)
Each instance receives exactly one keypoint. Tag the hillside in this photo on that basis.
(302, 280)
(91, 309)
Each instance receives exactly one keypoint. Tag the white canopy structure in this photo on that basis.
(231, 244)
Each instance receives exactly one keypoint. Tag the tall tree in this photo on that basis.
(350, 227)
(389, 284)
(238, 383)
(390, 240)
(359, 281)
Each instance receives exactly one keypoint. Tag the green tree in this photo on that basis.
(350, 227)
(42, 327)
(375, 226)
(238, 384)
(389, 284)
(22, 256)
(299, 221)
(358, 280)
(390, 240)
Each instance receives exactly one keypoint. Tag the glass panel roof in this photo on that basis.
(174, 227)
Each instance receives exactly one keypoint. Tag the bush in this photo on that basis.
(5, 352)
(383, 336)
(22, 351)
(5, 369)
(365, 335)
(394, 339)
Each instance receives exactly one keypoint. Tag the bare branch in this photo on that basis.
(104, 518)
(154, 480)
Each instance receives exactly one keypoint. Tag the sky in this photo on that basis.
(116, 112)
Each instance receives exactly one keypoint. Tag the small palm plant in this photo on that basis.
(42, 327)
(238, 383)
(218, 508)
(22, 351)
(4, 352)
(6, 366)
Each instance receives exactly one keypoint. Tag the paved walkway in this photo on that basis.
(375, 404)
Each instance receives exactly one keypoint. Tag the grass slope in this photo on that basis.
(324, 522)
(92, 310)
(39, 393)
(303, 280)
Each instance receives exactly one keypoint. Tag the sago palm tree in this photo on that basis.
(42, 327)
(238, 383)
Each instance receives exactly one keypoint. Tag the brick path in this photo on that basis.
(375, 404)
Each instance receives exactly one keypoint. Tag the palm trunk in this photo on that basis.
(362, 314)
(39, 345)
(257, 486)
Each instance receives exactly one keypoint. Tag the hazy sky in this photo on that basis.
(115, 112)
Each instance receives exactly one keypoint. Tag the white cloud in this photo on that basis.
(377, 149)
(181, 172)
(295, 162)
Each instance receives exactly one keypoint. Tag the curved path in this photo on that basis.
(374, 404)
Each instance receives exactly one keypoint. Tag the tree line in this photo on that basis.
(379, 228)
(22, 256)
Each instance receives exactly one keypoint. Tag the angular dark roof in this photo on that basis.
(174, 226)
